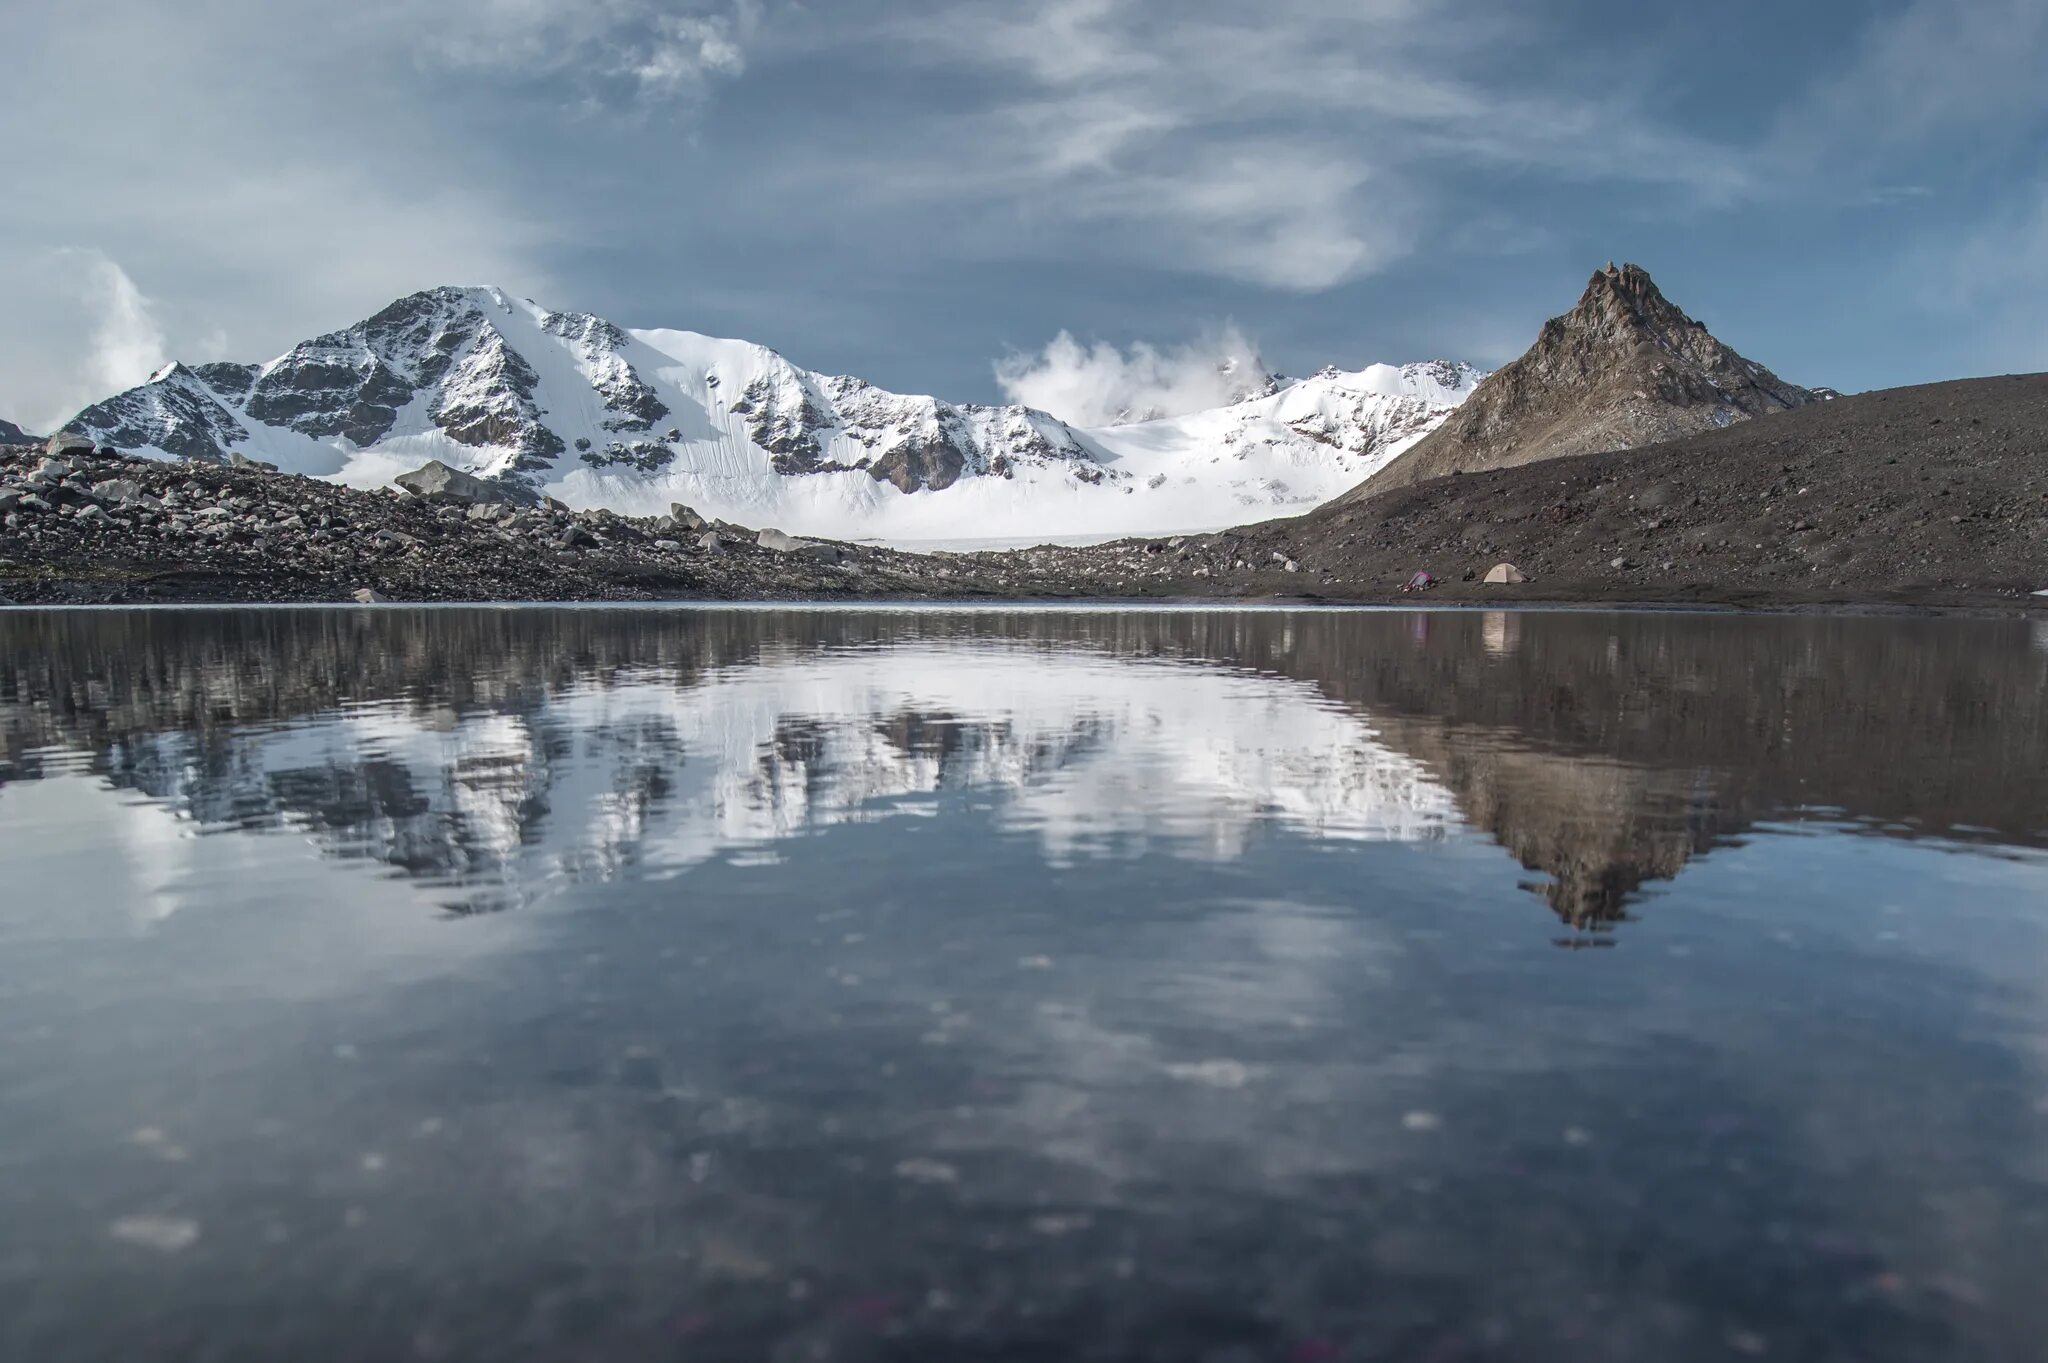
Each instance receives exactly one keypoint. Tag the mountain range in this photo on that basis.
(596, 415)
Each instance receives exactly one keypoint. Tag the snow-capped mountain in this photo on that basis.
(596, 415)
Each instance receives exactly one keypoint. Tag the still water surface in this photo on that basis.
(618, 984)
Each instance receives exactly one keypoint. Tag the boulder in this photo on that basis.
(370, 596)
(685, 517)
(574, 537)
(819, 553)
(66, 444)
(710, 542)
(436, 480)
(119, 491)
(779, 542)
(1501, 573)
(238, 460)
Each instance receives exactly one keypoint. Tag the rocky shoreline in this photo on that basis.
(85, 525)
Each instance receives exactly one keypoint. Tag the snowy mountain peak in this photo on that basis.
(601, 415)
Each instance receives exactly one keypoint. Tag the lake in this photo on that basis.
(591, 984)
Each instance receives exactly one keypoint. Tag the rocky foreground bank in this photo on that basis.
(1923, 497)
(86, 525)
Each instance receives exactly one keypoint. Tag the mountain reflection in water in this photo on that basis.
(884, 986)
(497, 755)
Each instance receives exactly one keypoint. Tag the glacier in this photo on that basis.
(595, 415)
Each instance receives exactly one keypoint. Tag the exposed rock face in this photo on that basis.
(1624, 368)
(11, 434)
(596, 414)
(176, 412)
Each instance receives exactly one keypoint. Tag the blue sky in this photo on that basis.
(912, 190)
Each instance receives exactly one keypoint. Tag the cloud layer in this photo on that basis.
(1101, 385)
(893, 187)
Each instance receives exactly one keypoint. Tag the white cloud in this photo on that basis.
(1100, 385)
(127, 344)
(654, 49)
(252, 171)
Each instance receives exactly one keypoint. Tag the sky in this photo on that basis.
(1081, 203)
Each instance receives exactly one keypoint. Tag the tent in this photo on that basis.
(1505, 572)
(1421, 582)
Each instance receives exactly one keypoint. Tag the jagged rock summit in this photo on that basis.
(569, 405)
(1624, 368)
(11, 434)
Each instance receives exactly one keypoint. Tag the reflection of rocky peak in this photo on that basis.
(1605, 752)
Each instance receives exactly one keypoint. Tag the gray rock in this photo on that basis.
(119, 491)
(370, 596)
(574, 537)
(95, 515)
(819, 553)
(10, 498)
(667, 546)
(53, 470)
(711, 542)
(779, 542)
(33, 503)
(65, 444)
(395, 537)
(238, 460)
(436, 479)
(686, 518)
(1619, 563)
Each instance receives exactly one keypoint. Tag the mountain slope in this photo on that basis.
(1936, 493)
(1623, 368)
(11, 434)
(599, 416)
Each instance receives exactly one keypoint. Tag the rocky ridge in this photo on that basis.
(1623, 369)
(595, 415)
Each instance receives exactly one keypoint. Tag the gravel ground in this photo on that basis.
(1935, 497)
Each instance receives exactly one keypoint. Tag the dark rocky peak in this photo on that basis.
(11, 434)
(176, 412)
(1625, 367)
(584, 328)
(227, 378)
(629, 398)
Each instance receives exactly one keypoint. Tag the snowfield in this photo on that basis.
(600, 416)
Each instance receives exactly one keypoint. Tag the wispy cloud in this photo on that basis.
(1919, 71)
(649, 48)
(1101, 385)
(127, 343)
(1291, 145)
